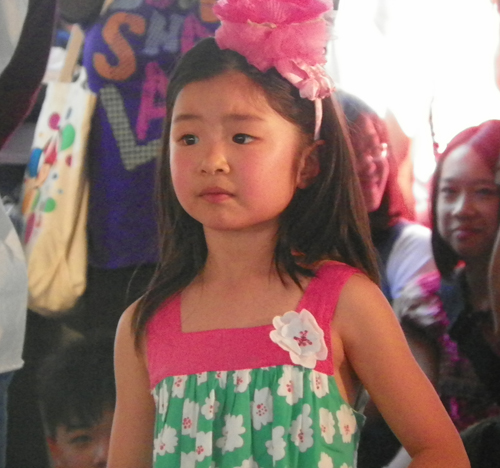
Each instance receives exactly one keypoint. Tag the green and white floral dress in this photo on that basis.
(253, 397)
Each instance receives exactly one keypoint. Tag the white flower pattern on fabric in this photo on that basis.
(241, 379)
(319, 383)
(211, 406)
(325, 461)
(201, 378)
(345, 465)
(276, 446)
(262, 408)
(327, 425)
(203, 445)
(291, 384)
(190, 412)
(166, 441)
(221, 376)
(301, 336)
(161, 399)
(301, 431)
(188, 460)
(179, 386)
(231, 438)
(250, 463)
(347, 423)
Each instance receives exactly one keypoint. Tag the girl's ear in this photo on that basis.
(309, 165)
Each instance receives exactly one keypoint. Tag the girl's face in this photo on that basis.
(371, 162)
(235, 162)
(467, 204)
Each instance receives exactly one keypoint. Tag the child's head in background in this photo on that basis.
(77, 398)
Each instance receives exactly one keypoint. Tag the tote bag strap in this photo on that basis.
(74, 48)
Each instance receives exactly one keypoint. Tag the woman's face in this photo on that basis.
(371, 161)
(467, 204)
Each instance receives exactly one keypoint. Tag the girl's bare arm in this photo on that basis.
(131, 443)
(379, 354)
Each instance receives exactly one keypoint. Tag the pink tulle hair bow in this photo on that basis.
(290, 35)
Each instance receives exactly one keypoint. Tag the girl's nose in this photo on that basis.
(214, 161)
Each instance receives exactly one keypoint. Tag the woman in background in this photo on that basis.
(451, 309)
(403, 247)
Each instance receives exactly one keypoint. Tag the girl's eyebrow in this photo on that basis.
(186, 117)
(230, 117)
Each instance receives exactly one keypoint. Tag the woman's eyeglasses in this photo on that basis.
(377, 152)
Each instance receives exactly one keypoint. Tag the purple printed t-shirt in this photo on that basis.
(128, 54)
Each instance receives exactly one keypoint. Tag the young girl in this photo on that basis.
(263, 321)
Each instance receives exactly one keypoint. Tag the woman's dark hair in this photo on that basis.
(324, 221)
(485, 140)
(392, 207)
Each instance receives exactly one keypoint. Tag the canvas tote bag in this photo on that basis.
(55, 191)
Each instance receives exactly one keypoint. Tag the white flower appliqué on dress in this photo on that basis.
(250, 463)
(327, 425)
(166, 441)
(301, 336)
(291, 384)
(190, 412)
(203, 445)
(211, 406)
(231, 438)
(179, 386)
(347, 423)
(301, 431)
(161, 399)
(319, 383)
(277, 445)
(262, 408)
(325, 461)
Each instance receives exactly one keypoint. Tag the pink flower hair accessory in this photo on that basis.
(290, 35)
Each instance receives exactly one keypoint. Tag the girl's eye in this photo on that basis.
(189, 140)
(242, 138)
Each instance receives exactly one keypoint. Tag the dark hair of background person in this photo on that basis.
(485, 139)
(392, 207)
(327, 220)
(76, 383)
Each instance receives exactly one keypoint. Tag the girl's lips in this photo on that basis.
(215, 194)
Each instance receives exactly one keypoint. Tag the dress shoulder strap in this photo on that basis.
(321, 298)
(323, 293)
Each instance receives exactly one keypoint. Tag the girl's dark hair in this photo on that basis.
(324, 221)
(392, 206)
(485, 139)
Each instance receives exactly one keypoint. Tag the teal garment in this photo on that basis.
(283, 416)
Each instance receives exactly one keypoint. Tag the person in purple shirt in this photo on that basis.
(129, 52)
